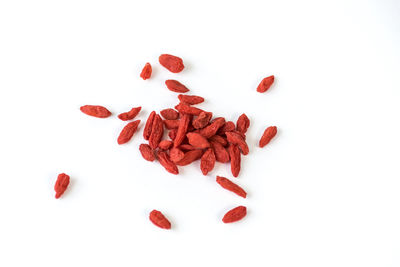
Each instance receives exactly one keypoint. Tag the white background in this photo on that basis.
(325, 192)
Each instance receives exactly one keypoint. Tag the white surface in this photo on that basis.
(325, 192)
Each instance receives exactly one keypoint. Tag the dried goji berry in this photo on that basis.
(130, 115)
(176, 154)
(236, 139)
(147, 152)
(165, 161)
(165, 144)
(191, 99)
(175, 86)
(265, 84)
(149, 125)
(172, 63)
(235, 214)
(219, 139)
(172, 134)
(127, 132)
(268, 134)
(234, 154)
(197, 140)
(227, 127)
(242, 123)
(202, 120)
(220, 152)
(146, 71)
(171, 124)
(186, 147)
(190, 156)
(186, 109)
(96, 111)
(61, 184)
(157, 132)
(169, 114)
(158, 219)
(182, 129)
(229, 185)
(212, 129)
(207, 161)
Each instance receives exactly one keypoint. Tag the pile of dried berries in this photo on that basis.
(193, 134)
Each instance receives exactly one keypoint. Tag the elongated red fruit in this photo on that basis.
(197, 140)
(236, 139)
(127, 132)
(147, 152)
(202, 120)
(165, 144)
(61, 184)
(228, 126)
(157, 132)
(166, 162)
(242, 123)
(231, 186)
(146, 71)
(212, 129)
(221, 155)
(169, 114)
(176, 154)
(219, 139)
(149, 125)
(171, 124)
(234, 154)
(186, 109)
(265, 84)
(182, 129)
(130, 115)
(191, 99)
(158, 219)
(176, 86)
(172, 63)
(96, 111)
(190, 156)
(268, 134)
(207, 161)
(235, 214)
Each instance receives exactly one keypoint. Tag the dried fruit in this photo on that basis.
(172, 134)
(130, 115)
(127, 132)
(182, 129)
(202, 120)
(147, 152)
(197, 140)
(190, 156)
(165, 161)
(172, 63)
(236, 139)
(61, 184)
(176, 154)
(165, 144)
(207, 161)
(219, 139)
(268, 134)
(149, 125)
(212, 129)
(235, 214)
(96, 111)
(242, 123)
(157, 132)
(220, 152)
(228, 126)
(175, 86)
(171, 124)
(265, 84)
(146, 72)
(169, 114)
(159, 219)
(191, 99)
(186, 147)
(231, 186)
(234, 154)
(186, 109)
